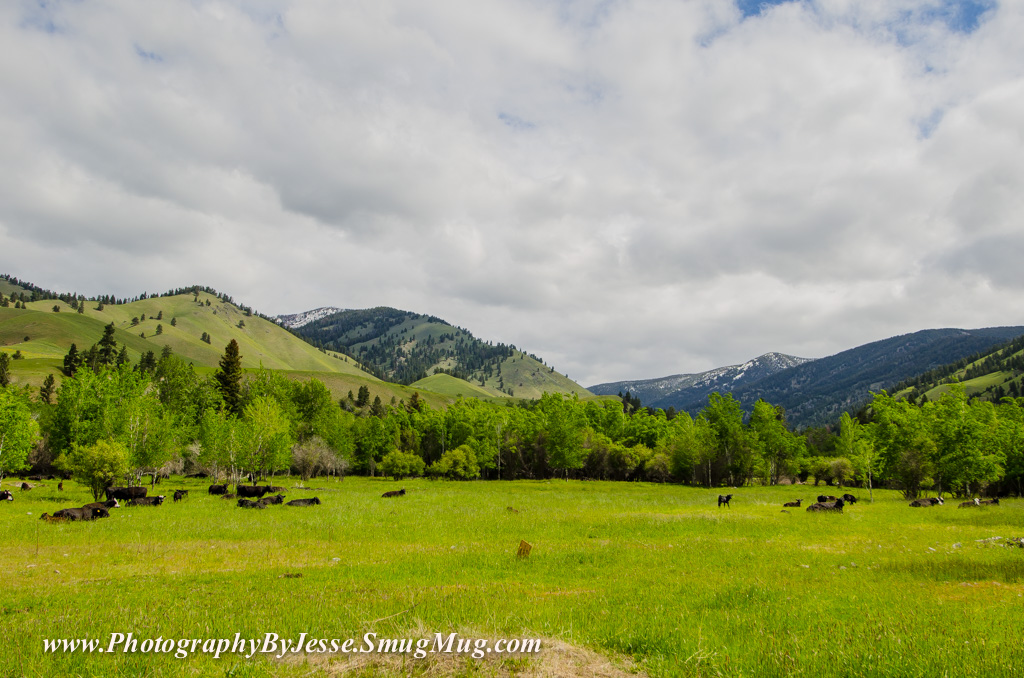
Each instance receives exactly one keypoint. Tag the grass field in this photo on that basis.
(653, 578)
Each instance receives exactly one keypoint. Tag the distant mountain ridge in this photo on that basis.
(664, 392)
(407, 347)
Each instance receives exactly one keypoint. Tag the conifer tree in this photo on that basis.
(46, 390)
(5, 370)
(229, 378)
(72, 361)
(107, 346)
(122, 357)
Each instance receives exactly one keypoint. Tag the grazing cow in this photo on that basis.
(972, 503)
(146, 501)
(249, 503)
(275, 499)
(926, 502)
(180, 494)
(218, 489)
(394, 493)
(849, 499)
(6, 495)
(793, 504)
(724, 499)
(836, 506)
(253, 490)
(303, 502)
(126, 492)
(108, 504)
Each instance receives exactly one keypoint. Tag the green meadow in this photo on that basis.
(649, 578)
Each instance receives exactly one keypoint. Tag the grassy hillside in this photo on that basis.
(990, 375)
(408, 347)
(453, 386)
(261, 342)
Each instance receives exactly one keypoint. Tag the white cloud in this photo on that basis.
(629, 189)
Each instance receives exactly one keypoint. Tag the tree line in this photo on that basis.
(110, 420)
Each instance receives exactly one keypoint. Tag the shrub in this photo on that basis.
(98, 466)
(457, 464)
(400, 464)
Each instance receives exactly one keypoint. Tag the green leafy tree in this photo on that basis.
(229, 378)
(18, 430)
(97, 466)
(264, 438)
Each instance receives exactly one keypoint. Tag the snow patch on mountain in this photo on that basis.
(296, 320)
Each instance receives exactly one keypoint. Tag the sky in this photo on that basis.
(628, 189)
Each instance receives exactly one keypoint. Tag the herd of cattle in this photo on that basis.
(136, 496)
(830, 503)
(258, 497)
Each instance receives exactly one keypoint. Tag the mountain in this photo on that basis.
(665, 392)
(407, 347)
(817, 392)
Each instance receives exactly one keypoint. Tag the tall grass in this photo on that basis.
(655, 572)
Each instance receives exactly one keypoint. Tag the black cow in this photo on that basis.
(724, 499)
(126, 492)
(253, 490)
(836, 505)
(249, 503)
(394, 493)
(77, 514)
(108, 504)
(275, 499)
(6, 495)
(824, 498)
(146, 501)
(926, 502)
(793, 504)
(849, 499)
(303, 502)
(26, 486)
(989, 502)
(971, 503)
(218, 489)
(180, 494)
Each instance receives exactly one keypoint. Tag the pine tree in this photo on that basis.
(72, 361)
(364, 396)
(107, 346)
(46, 390)
(81, 308)
(5, 370)
(159, 329)
(122, 357)
(229, 378)
(174, 322)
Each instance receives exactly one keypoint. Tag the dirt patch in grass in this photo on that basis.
(557, 659)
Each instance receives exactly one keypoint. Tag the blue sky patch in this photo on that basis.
(148, 56)
(961, 16)
(756, 7)
(515, 122)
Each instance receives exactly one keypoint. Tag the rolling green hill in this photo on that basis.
(408, 347)
(453, 386)
(43, 336)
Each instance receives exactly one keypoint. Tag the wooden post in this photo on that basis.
(524, 549)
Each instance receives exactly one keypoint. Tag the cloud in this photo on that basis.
(628, 188)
